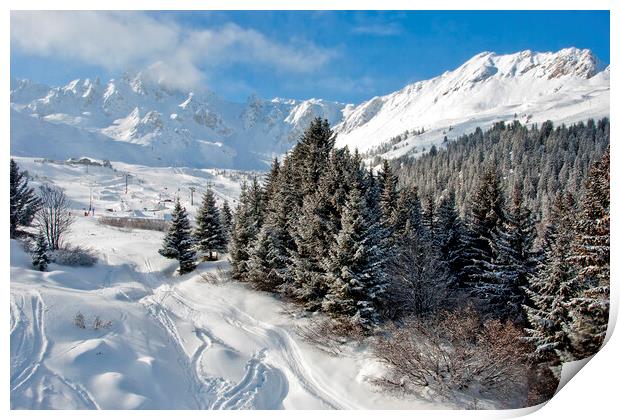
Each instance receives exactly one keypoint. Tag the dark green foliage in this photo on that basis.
(40, 257)
(355, 272)
(486, 217)
(226, 220)
(552, 287)
(408, 213)
(557, 160)
(24, 202)
(178, 243)
(209, 235)
(514, 261)
(589, 310)
(388, 193)
(449, 238)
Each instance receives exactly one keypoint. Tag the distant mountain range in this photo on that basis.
(134, 120)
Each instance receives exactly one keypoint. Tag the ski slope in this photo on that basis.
(175, 342)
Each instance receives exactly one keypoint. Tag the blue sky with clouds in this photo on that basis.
(336, 55)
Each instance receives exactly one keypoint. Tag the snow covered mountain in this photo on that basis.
(567, 86)
(139, 121)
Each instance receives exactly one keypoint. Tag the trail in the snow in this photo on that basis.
(28, 341)
(280, 344)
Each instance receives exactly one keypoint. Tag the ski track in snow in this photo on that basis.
(29, 349)
(28, 341)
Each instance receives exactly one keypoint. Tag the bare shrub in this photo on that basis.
(330, 335)
(54, 218)
(210, 278)
(220, 276)
(99, 323)
(79, 320)
(454, 352)
(74, 256)
(159, 225)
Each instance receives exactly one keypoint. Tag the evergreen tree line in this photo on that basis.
(544, 160)
(209, 237)
(337, 238)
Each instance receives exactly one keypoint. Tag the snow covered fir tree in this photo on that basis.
(210, 234)
(40, 257)
(24, 203)
(451, 230)
(178, 242)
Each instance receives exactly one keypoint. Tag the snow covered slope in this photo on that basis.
(175, 342)
(566, 86)
(138, 121)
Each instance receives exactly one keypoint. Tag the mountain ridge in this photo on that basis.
(173, 127)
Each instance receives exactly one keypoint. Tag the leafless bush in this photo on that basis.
(210, 278)
(454, 352)
(134, 223)
(54, 217)
(99, 323)
(74, 256)
(79, 320)
(220, 276)
(330, 335)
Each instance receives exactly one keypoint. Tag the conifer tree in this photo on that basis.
(429, 218)
(267, 265)
(388, 199)
(256, 200)
(268, 268)
(419, 280)
(226, 220)
(487, 215)
(589, 310)
(449, 237)
(242, 235)
(178, 243)
(271, 183)
(312, 236)
(40, 257)
(354, 266)
(408, 213)
(514, 260)
(551, 288)
(23, 200)
(310, 156)
(209, 235)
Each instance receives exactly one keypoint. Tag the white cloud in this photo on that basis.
(132, 40)
(233, 44)
(379, 29)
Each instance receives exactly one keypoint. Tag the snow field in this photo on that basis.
(175, 341)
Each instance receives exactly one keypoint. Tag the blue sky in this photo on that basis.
(343, 56)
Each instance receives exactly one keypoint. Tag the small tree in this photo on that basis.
(40, 259)
(209, 235)
(226, 219)
(54, 218)
(24, 202)
(178, 242)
